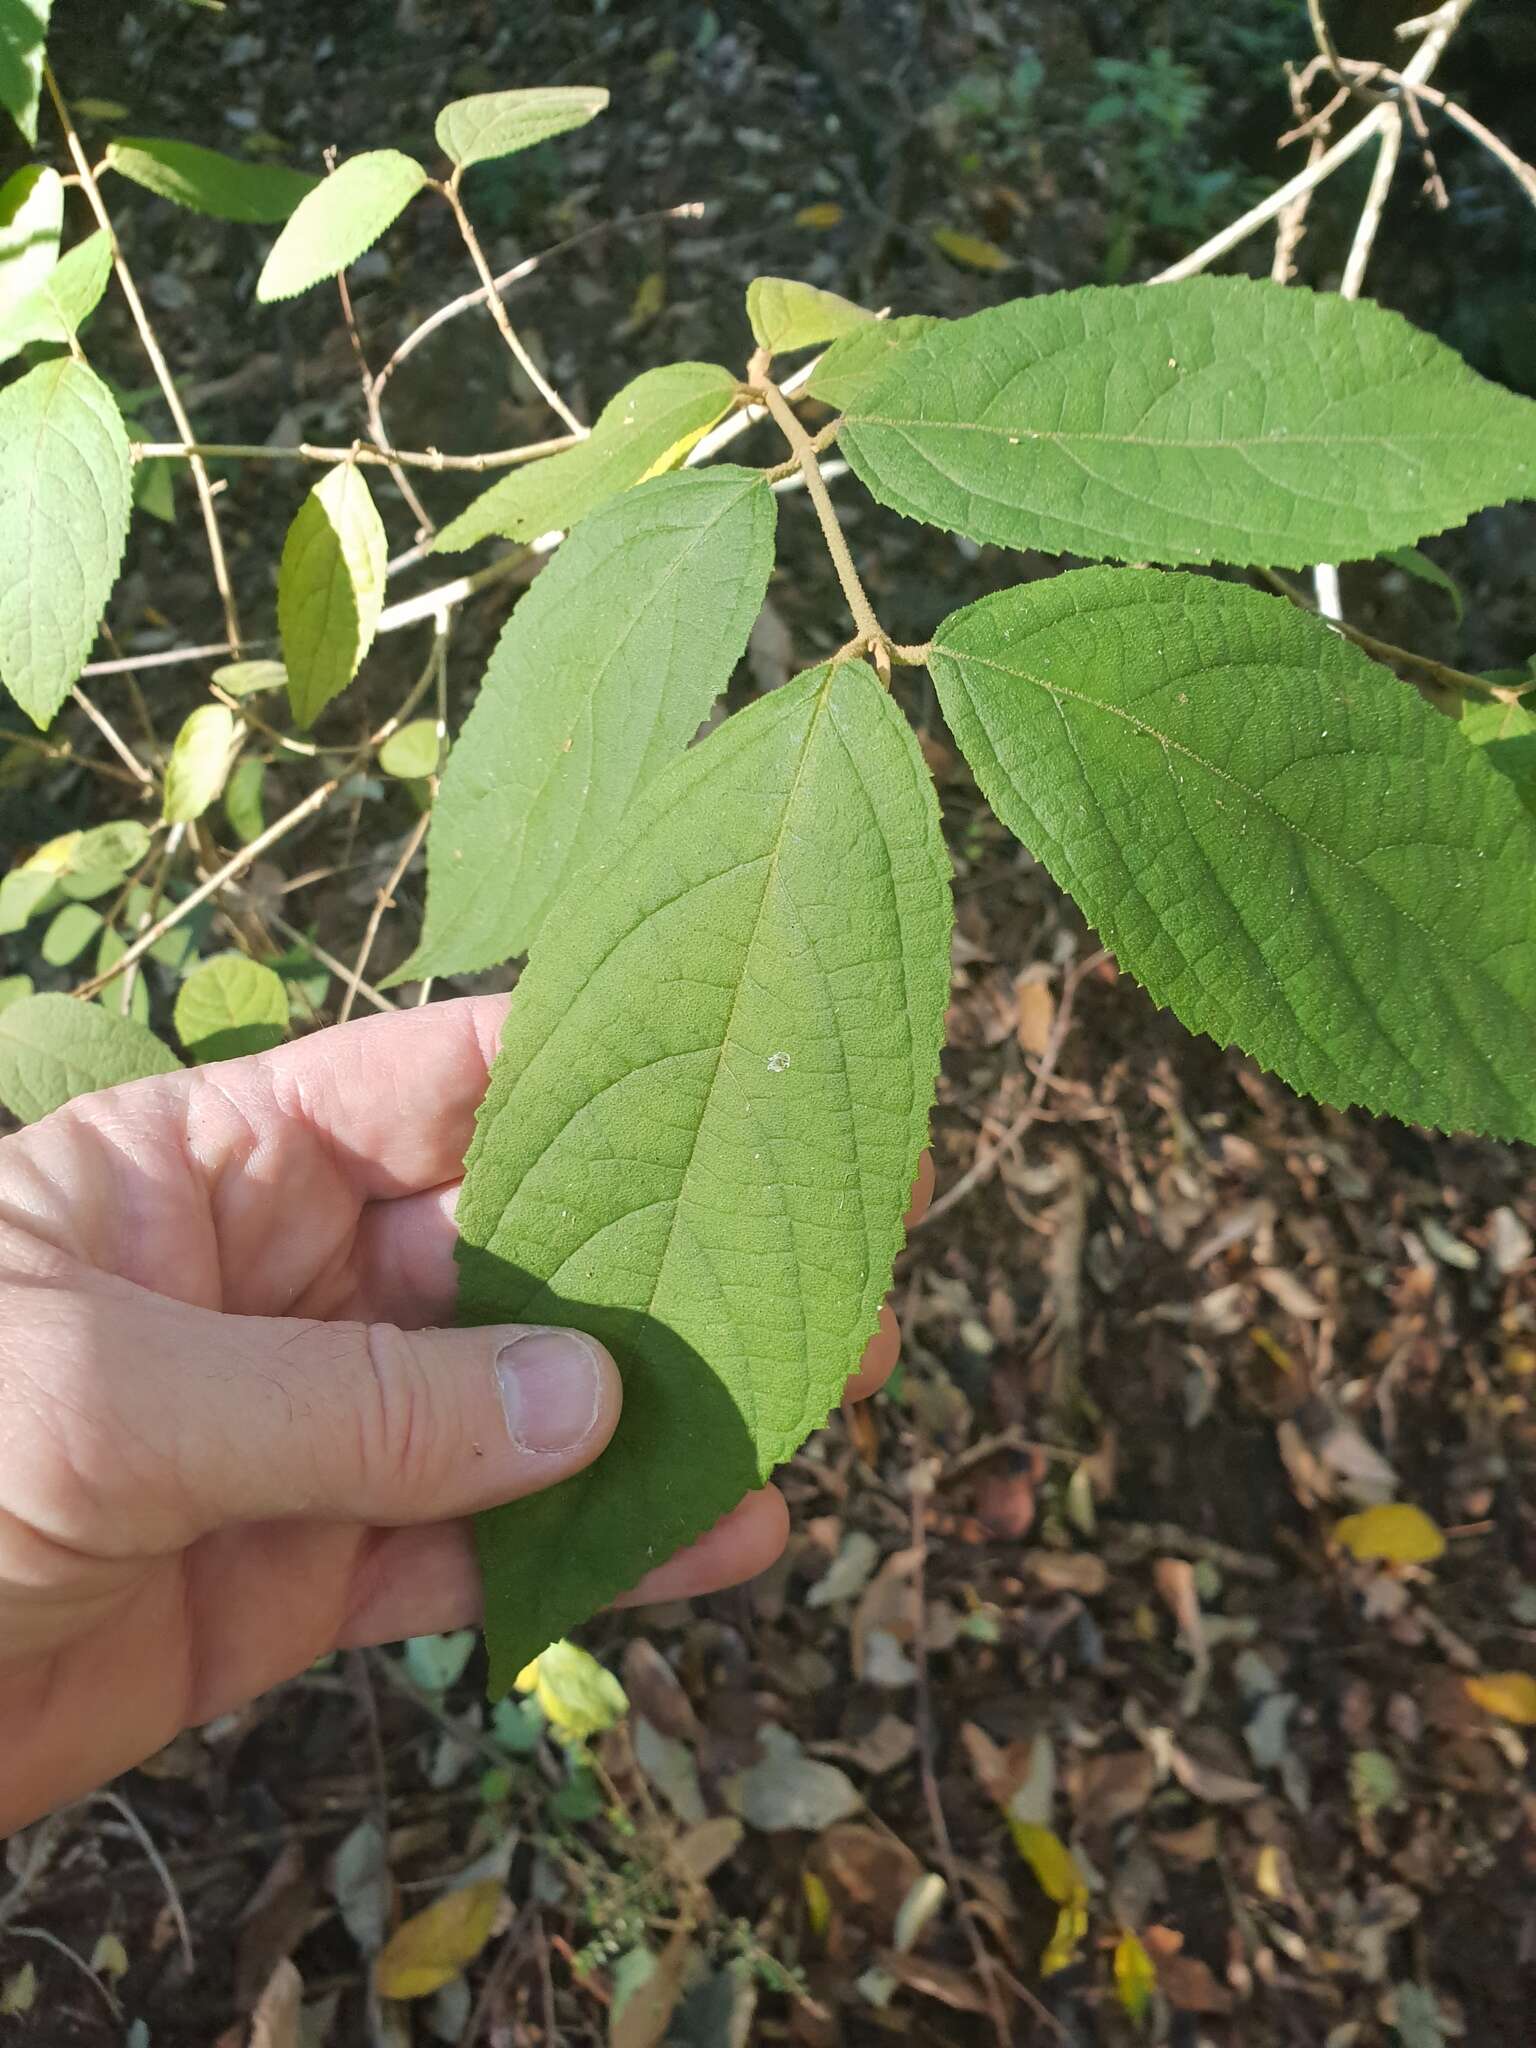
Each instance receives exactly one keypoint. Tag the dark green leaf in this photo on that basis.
(207, 181)
(1282, 841)
(859, 361)
(703, 1127)
(605, 672)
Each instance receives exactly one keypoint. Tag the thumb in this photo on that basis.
(258, 1417)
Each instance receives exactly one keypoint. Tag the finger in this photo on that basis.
(415, 1582)
(165, 1421)
(402, 1268)
(879, 1360)
(390, 1099)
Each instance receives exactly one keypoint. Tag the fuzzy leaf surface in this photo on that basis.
(496, 124)
(1506, 736)
(785, 314)
(31, 217)
(604, 672)
(1281, 841)
(66, 488)
(228, 1006)
(207, 181)
(1217, 420)
(862, 358)
(23, 32)
(339, 220)
(703, 1127)
(59, 306)
(53, 1048)
(330, 589)
(646, 429)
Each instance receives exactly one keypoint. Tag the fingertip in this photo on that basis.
(922, 1191)
(879, 1360)
(740, 1545)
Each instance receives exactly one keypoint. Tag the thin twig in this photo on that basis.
(800, 441)
(509, 334)
(1328, 50)
(382, 903)
(156, 356)
(62, 752)
(988, 1161)
(690, 209)
(114, 739)
(365, 989)
(356, 451)
(1416, 91)
(157, 1864)
(365, 376)
(1438, 672)
(169, 657)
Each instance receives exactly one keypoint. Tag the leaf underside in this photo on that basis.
(66, 485)
(53, 1048)
(1217, 420)
(646, 429)
(339, 221)
(703, 1128)
(605, 671)
(1279, 839)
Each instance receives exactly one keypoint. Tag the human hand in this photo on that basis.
(231, 1439)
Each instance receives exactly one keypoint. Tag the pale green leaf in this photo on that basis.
(53, 1048)
(31, 216)
(785, 314)
(1283, 842)
(154, 489)
(13, 987)
(413, 751)
(24, 894)
(200, 760)
(228, 1006)
(342, 217)
(72, 929)
(494, 124)
(649, 427)
(330, 589)
(97, 861)
(1506, 735)
(605, 671)
(66, 485)
(437, 1662)
(23, 31)
(859, 361)
(207, 181)
(577, 1696)
(702, 1129)
(243, 798)
(58, 307)
(245, 678)
(1217, 420)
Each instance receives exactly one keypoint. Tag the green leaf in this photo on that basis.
(199, 762)
(58, 307)
(229, 1006)
(23, 31)
(785, 314)
(24, 894)
(53, 1048)
(413, 751)
(702, 1129)
(648, 428)
(1281, 841)
(243, 798)
(858, 362)
(1506, 737)
(1217, 420)
(13, 987)
(1424, 569)
(244, 678)
(330, 589)
(605, 671)
(494, 124)
(128, 995)
(31, 216)
(342, 217)
(154, 488)
(70, 932)
(97, 860)
(207, 181)
(66, 485)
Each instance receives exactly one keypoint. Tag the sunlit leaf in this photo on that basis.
(23, 31)
(1135, 1974)
(785, 314)
(230, 1006)
(58, 306)
(497, 124)
(200, 759)
(1393, 1532)
(339, 220)
(578, 1696)
(31, 215)
(53, 1048)
(330, 589)
(1509, 1694)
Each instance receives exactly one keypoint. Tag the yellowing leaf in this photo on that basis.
(1059, 1877)
(649, 299)
(426, 1952)
(1394, 1531)
(973, 252)
(1509, 1694)
(578, 1696)
(1135, 1975)
(826, 213)
(818, 1902)
(109, 1958)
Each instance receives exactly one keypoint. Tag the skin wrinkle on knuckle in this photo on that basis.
(400, 1434)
